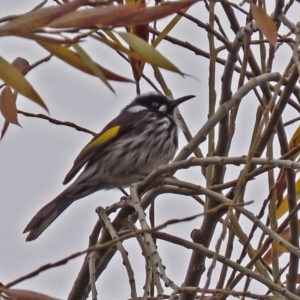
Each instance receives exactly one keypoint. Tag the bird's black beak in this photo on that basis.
(180, 100)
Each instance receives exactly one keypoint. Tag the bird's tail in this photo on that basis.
(47, 214)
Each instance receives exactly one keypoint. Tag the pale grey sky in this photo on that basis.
(35, 158)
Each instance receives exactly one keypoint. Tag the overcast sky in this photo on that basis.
(35, 158)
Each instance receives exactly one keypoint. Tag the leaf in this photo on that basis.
(15, 294)
(122, 15)
(92, 65)
(147, 52)
(77, 62)
(167, 29)
(117, 45)
(15, 79)
(8, 106)
(4, 129)
(295, 141)
(153, 13)
(21, 64)
(265, 23)
(281, 180)
(280, 185)
(38, 18)
(285, 234)
(106, 15)
(284, 206)
(134, 57)
(142, 31)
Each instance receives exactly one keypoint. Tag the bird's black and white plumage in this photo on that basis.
(142, 137)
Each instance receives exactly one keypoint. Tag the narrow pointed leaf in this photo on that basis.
(281, 179)
(25, 295)
(92, 65)
(40, 5)
(142, 31)
(147, 52)
(39, 18)
(119, 47)
(122, 15)
(107, 15)
(21, 64)
(153, 13)
(4, 129)
(116, 45)
(295, 141)
(76, 61)
(15, 79)
(8, 106)
(265, 23)
(284, 207)
(168, 28)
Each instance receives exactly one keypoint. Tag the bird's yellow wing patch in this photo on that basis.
(101, 139)
(106, 136)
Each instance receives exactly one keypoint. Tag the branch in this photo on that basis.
(56, 122)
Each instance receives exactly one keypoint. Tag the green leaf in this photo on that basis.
(73, 59)
(15, 79)
(92, 65)
(147, 52)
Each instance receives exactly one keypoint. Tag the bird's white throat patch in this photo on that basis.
(163, 108)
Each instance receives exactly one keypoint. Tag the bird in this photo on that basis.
(141, 138)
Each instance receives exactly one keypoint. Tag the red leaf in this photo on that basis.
(8, 105)
(21, 64)
(137, 65)
(41, 17)
(112, 15)
(106, 15)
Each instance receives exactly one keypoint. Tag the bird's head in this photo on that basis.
(156, 103)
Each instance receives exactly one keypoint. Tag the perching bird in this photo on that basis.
(142, 137)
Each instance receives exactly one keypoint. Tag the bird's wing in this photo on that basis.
(110, 132)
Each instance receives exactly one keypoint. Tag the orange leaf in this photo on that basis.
(265, 23)
(8, 105)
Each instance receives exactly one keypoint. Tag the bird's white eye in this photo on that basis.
(155, 104)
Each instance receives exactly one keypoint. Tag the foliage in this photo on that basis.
(245, 42)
